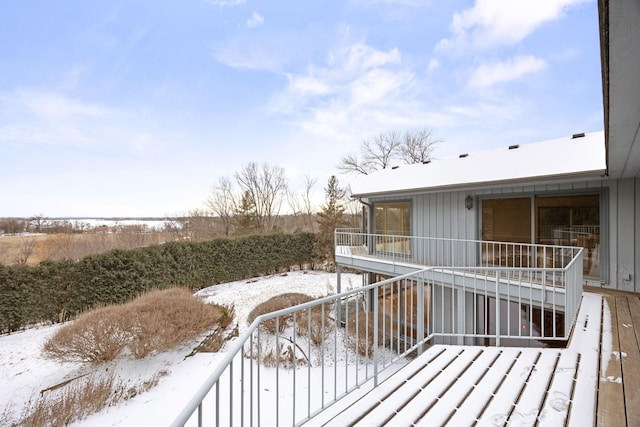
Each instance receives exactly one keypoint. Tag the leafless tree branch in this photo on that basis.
(384, 149)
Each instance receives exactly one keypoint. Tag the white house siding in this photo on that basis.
(443, 214)
(624, 224)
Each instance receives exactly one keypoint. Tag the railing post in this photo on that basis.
(338, 291)
(498, 324)
(375, 336)
(420, 314)
(460, 296)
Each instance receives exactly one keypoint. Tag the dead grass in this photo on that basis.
(97, 336)
(73, 403)
(35, 248)
(287, 355)
(155, 322)
(315, 324)
(278, 324)
(360, 332)
(79, 399)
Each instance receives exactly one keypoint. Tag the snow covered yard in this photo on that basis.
(26, 374)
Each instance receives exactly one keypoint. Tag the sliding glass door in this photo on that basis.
(569, 220)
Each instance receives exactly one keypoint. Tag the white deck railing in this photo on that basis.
(441, 252)
(292, 364)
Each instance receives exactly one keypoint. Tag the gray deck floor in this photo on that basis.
(464, 385)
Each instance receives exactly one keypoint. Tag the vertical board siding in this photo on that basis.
(443, 214)
(637, 236)
(613, 233)
(626, 234)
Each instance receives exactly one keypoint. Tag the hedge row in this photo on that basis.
(57, 291)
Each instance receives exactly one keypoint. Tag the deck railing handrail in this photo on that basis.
(438, 251)
(359, 231)
(390, 319)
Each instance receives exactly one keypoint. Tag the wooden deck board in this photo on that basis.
(586, 340)
(610, 391)
(444, 409)
(555, 410)
(379, 402)
(434, 378)
(482, 394)
(630, 359)
(499, 409)
(530, 402)
(596, 378)
(430, 393)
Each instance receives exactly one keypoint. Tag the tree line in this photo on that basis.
(58, 291)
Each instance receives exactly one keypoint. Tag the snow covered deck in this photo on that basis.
(460, 385)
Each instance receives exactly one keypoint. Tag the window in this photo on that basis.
(392, 220)
(557, 220)
(507, 220)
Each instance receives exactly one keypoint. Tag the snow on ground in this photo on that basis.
(258, 290)
(25, 372)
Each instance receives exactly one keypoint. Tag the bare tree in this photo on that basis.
(301, 205)
(266, 186)
(295, 205)
(307, 202)
(12, 225)
(388, 147)
(417, 146)
(222, 203)
(37, 223)
(25, 250)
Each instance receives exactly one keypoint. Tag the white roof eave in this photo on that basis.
(556, 160)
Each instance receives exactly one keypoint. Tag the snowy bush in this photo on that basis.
(155, 322)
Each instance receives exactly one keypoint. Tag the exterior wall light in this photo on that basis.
(468, 202)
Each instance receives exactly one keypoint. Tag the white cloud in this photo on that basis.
(254, 51)
(489, 74)
(255, 20)
(360, 57)
(360, 90)
(249, 58)
(47, 117)
(223, 3)
(308, 85)
(491, 23)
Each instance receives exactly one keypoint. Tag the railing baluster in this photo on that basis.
(489, 270)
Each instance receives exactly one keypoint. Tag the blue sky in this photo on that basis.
(137, 108)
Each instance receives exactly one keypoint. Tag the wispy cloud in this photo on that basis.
(223, 3)
(252, 51)
(39, 118)
(47, 117)
(489, 74)
(357, 89)
(490, 23)
(255, 20)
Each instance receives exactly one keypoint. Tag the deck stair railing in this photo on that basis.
(288, 366)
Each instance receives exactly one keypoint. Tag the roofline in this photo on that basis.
(586, 175)
(603, 18)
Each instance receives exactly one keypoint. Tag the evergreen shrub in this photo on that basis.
(57, 291)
